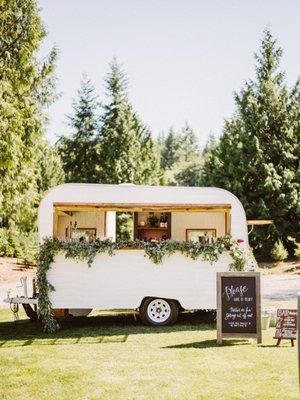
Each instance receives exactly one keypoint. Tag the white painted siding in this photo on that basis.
(123, 280)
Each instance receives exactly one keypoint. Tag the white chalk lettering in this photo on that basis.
(235, 292)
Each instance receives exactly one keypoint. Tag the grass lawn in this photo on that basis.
(115, 357)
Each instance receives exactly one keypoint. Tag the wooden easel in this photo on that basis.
(279, 340)
(286, 326)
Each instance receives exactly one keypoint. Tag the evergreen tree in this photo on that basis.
(181, 157)
(26, 86)
(170, 150)
(160, 141)
(189, 175)
(189, 151)
(49, 170)
(127, 149)
(210, 145)
(80, 151)
(258, 155)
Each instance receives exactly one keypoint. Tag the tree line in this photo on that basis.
(256, 156)
(110, 144)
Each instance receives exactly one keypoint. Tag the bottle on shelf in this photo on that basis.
(162, 221)
(152, 220)
(165, 220)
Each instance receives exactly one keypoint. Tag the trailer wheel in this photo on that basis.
(158, 312)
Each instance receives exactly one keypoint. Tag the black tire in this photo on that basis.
(167, 316)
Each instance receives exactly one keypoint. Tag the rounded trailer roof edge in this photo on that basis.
(132, 185)
(127, 188)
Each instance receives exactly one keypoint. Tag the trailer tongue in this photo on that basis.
(29, 303)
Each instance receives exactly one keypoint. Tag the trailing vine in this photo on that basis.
(87, 251)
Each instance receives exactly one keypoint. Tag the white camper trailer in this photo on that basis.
(128, 279)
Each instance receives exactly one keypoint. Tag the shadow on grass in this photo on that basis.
(274, 346)
(95, 329)
(204, 344)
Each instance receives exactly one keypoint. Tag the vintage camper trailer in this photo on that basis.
(128, 279)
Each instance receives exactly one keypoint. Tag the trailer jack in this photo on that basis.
(26, 302)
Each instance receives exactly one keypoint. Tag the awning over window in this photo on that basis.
(166, 207)
(260, 222)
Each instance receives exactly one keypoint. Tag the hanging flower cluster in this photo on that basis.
(87, 251)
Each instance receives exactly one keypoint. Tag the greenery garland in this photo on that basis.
(87, 251)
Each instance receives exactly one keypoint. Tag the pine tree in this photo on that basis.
(189, 175)
(257, 156)
(26, 86)
(189, 151)
(80, 151)
(170, 150)
(127, 149)
(181, 157)
(160, 141)
(49, 170)
(210, 145)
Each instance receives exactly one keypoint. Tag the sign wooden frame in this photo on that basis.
(222, 335)
(284, 319)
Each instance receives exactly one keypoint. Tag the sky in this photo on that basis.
(184, 59)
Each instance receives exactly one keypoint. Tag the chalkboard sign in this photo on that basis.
(238, 305)
(286, 325)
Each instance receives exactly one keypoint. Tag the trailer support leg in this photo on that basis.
(32, 314)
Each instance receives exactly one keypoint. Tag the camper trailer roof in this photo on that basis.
(129, 197)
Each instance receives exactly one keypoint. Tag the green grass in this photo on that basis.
(115, 357)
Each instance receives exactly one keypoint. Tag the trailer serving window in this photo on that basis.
(151, 222)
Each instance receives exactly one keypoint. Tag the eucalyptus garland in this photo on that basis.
(156, 251)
